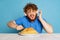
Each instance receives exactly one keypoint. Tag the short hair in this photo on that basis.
(30, 6)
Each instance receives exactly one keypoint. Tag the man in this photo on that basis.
(31, 20)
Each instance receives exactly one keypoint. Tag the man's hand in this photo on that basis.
(20, 27)
(40, 14)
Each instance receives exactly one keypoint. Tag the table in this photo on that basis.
(13, 36)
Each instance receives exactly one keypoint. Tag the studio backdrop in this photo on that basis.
(13, 9)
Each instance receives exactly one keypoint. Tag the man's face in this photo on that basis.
(31, 14)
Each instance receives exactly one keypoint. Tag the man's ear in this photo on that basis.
(37, 11)
(25, 14)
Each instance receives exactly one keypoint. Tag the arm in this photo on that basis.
(46, 26)
(12, 24)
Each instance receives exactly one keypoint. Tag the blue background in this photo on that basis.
(13, 9)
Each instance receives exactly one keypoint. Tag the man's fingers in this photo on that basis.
(41, 11)
(20, 27)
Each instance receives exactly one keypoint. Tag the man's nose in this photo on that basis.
(32, 13)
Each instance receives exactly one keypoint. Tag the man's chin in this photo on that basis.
(32, 19)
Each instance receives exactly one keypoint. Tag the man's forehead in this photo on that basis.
(31, 10)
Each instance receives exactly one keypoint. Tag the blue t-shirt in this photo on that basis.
(26, 23)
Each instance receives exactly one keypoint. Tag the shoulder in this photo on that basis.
(19, 20)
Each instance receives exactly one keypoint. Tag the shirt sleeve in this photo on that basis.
(18, 21)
